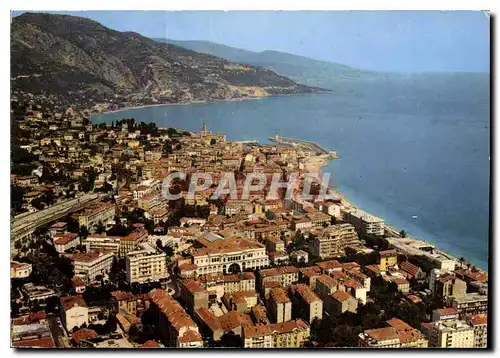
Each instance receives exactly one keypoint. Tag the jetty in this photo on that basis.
(304, 144)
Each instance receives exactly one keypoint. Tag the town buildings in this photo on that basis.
(310, 301)
(20, 269)
(290, 334)
(146, 264)
(74, 312)
(238, 269)
(231, 255)
(332, 241)
(89, 265)
(103, 213)
(279, 305)
(479, 322)
(65, 242)
(468, 304)
(450, 333)
(398, 334)
(284, 275)
(175, 326)
(366, 224)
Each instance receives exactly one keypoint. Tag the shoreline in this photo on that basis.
(175, 104)
(315, 164)
(204, 102)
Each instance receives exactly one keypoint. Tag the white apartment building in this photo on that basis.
(479, 323)
(146, 264)
(91, 264)
(66, 241)
(120, 244)
(365, 224)
(231, 255)
(20, 269)
(103, 212)
(102, 242)
(331, 209)
(74, 312)
(449, 334)
(332, 241)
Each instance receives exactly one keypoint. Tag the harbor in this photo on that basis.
(305, 145)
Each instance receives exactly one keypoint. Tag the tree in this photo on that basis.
(38, 203)
(16, 197)
(111, 323)
(100, 227)
(116, 274)
(402, 233)
(83, 233)
(298, 240)
(169, 251)
(14, 309)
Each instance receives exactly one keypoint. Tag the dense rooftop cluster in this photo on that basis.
(101, 258)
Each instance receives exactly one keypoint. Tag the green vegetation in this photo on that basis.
(107, 62)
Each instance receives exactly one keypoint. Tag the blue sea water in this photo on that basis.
(416, 146)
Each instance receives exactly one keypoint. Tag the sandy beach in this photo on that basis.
(314, 164)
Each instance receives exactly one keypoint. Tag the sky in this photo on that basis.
(399, 41)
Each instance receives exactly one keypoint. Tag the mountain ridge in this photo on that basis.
(70, 56)
(305, 70)
(300, 69)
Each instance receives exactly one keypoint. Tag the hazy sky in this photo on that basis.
(405, 41)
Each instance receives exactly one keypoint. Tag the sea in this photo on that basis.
(413, 150)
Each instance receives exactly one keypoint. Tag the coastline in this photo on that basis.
(205, 102)
(315, 164)
(176, 104)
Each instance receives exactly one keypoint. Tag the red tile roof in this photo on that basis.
(46, 342)
(83, 335)
(447, 311)
(193, 286)
(342, 296)
(233, 319)
(122, 295)
(188, 267)
(327, 281)
(64, 239)
(209, 319)
(352, 283)
(279, 295)
(387, 253)
(409, 268)
(383, 334)
(350, 266)
(306, 293)
(77, 282)
(69, 302)
(257, 331)
(289, 326)
(414, 299)
(150, 344)
(329, 265)
(190, 336)
(172, 310)
(478, 319)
